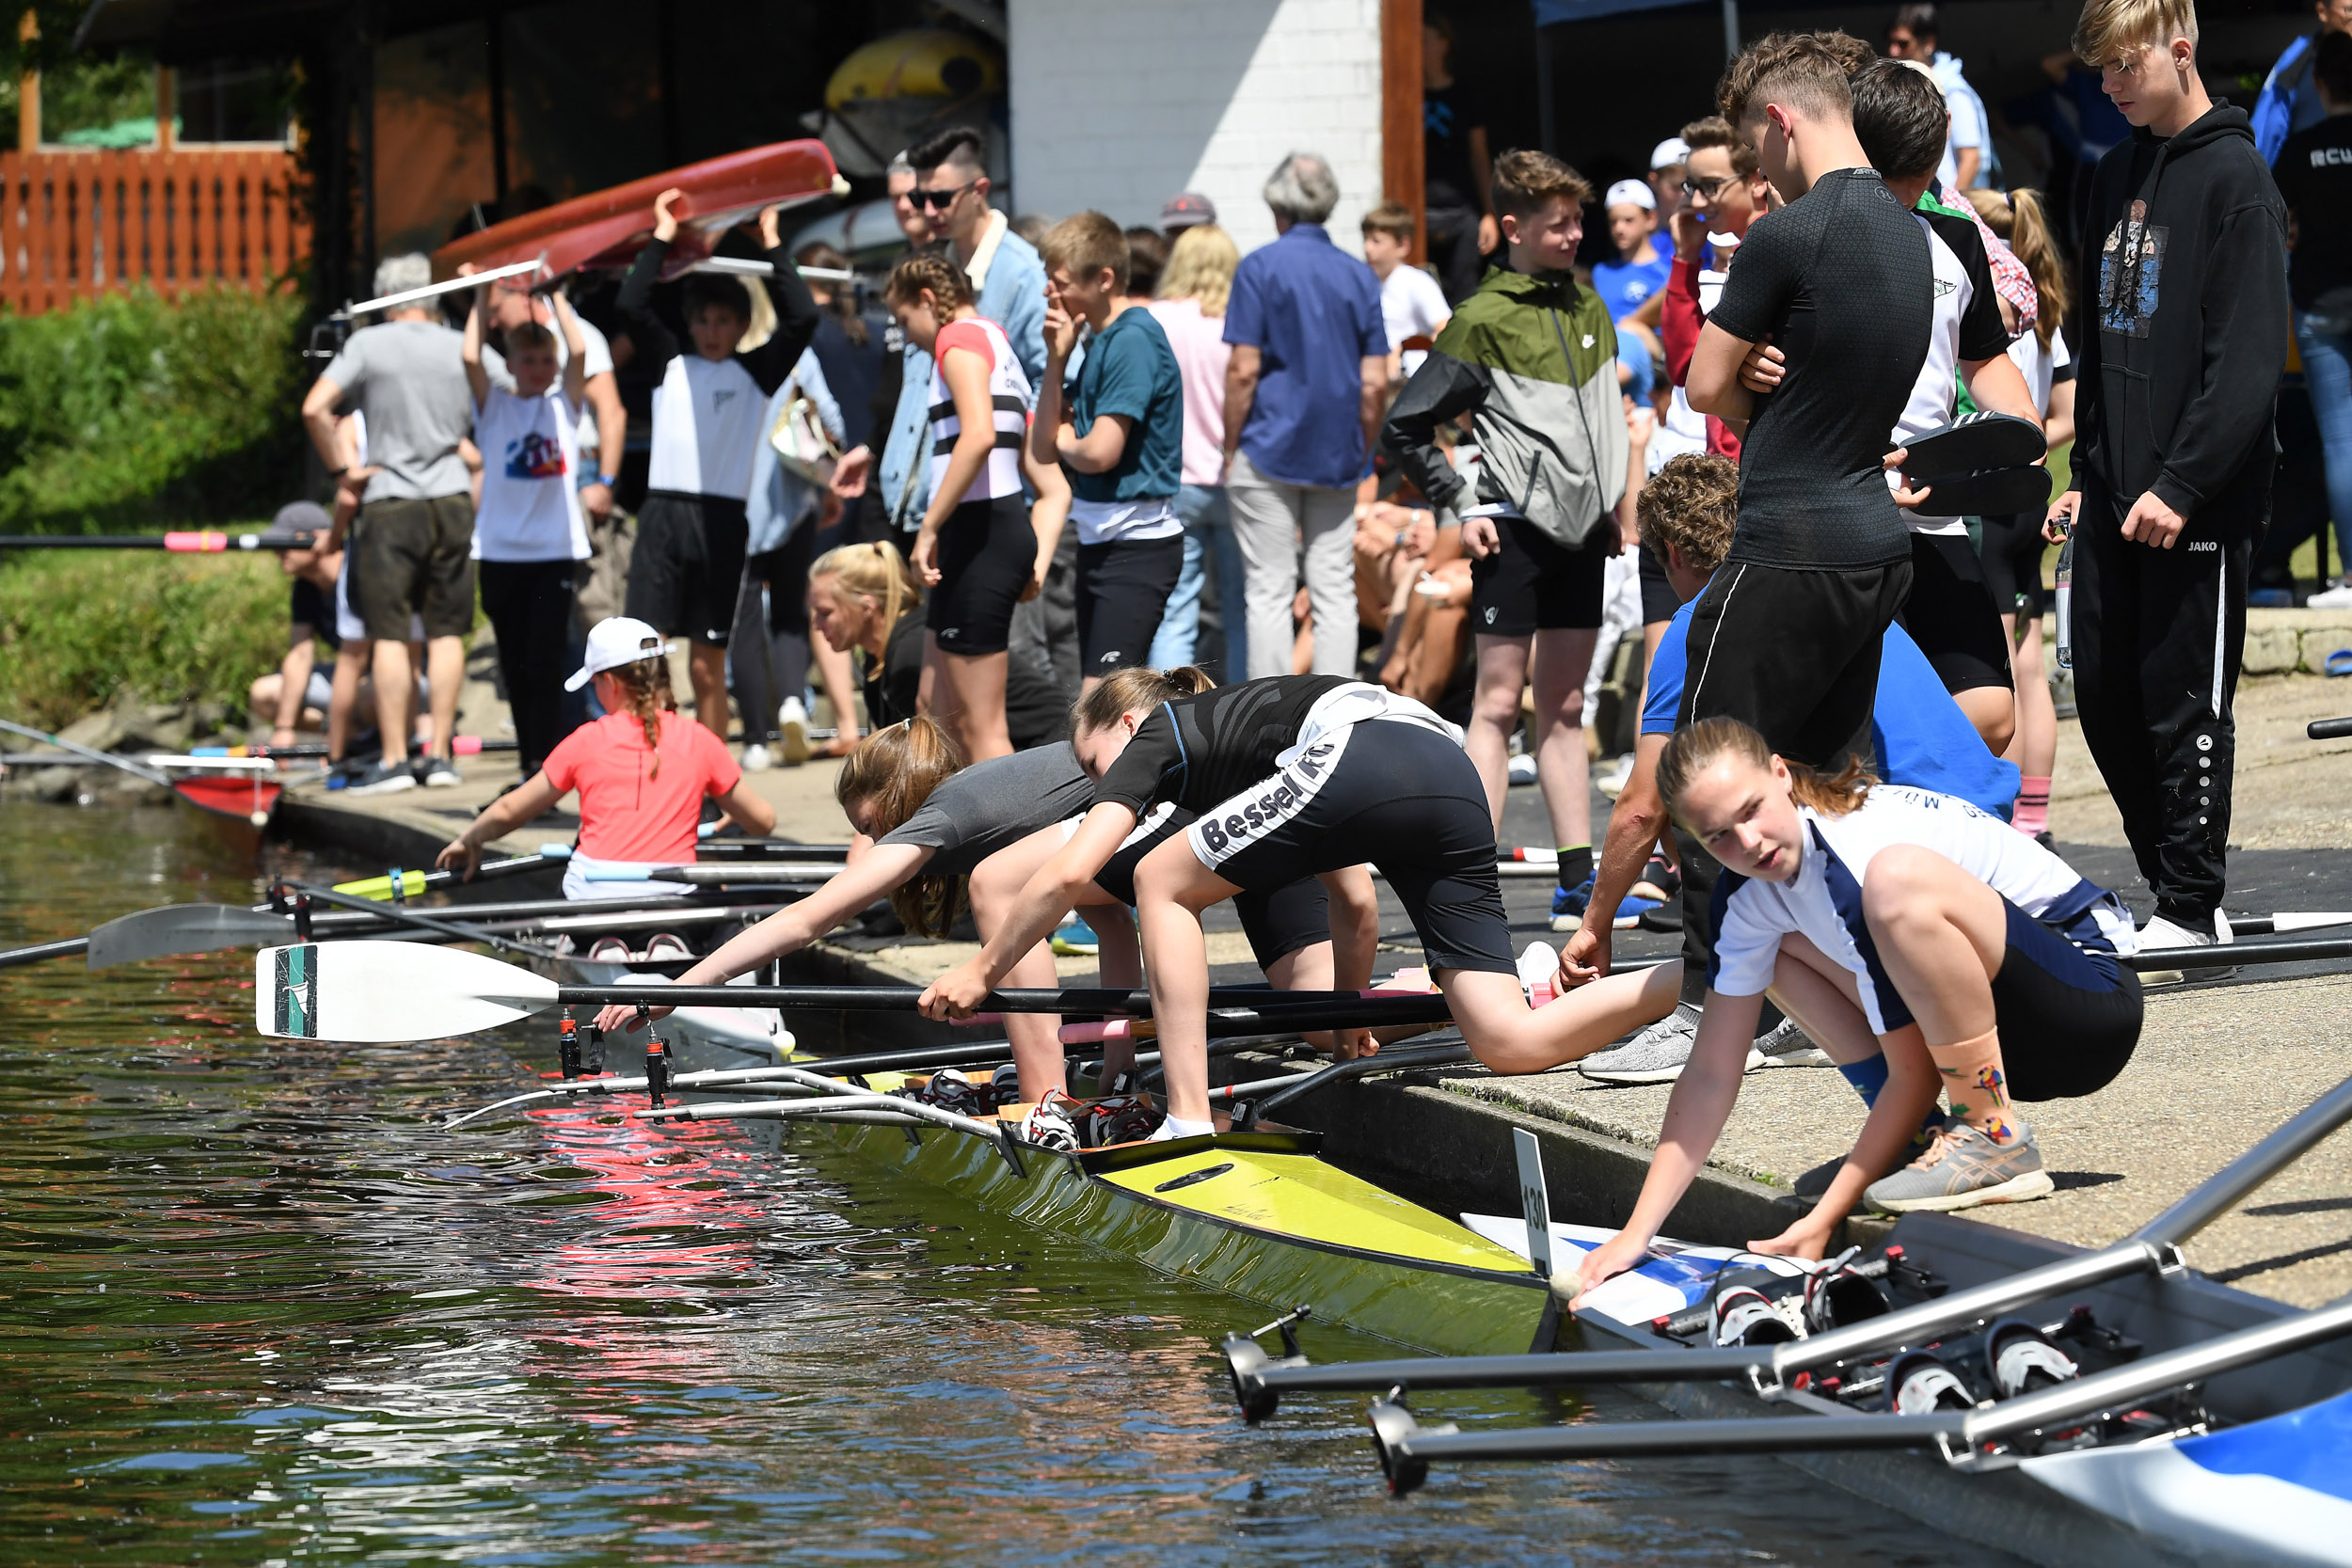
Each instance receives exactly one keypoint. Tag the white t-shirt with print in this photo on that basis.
(529, 478)
(1412, 306)
(598, 362)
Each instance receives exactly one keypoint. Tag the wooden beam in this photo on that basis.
(28, 88)
(166, 107)
(1401, 171)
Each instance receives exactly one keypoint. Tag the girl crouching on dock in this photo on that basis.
(1923, 944)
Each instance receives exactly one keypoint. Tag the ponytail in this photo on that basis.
(893, 771)
(1123, 691)
(645, 692)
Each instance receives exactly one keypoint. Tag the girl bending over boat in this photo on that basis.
(641, 771)
(927, 824)
(1925, 945)
(1285, 778)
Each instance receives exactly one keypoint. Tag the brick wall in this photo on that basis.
(1119, 107)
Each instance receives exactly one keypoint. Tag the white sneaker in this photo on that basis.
(792, 723)
(757, 758)
(2160, 932)
(1521, 768)
(1655, 1056)
(1539, 966)
(1786, 1045)
(1612, 782)
(2337, 598)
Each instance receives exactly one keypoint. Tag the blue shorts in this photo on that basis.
(2067, 1012)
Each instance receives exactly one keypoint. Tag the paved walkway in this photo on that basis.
(2219, 1067)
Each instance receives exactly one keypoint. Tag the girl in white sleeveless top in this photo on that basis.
(980, 550)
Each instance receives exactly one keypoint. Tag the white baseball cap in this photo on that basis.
(614, 643)
(1674, 149)
(1635, 191)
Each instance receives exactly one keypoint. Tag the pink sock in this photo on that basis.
(2032, 815)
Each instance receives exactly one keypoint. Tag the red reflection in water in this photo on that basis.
(664, 1180)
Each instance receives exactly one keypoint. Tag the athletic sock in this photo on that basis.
(1177, 1126)
(1576, 865)
(2032, 815)
(1867, 1076)
(1973, 1082)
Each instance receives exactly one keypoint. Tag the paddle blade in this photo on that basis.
(180, 929)
(382, 992)
(2282, 924)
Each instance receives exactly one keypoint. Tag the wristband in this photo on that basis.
(611, 482)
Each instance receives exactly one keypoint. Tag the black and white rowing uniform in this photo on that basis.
(987, 550)
(1278, 921)
(1299, 774)
(2067, 1012)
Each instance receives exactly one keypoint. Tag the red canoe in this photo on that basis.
(605, 230)
(247, 795)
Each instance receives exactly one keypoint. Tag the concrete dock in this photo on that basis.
(2219, 1065)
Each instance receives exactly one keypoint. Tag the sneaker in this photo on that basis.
(2337, 598)
(1630, 910)
(1612, 782)
(437, 773)
(1786, 1045)
(1666, 917)
(1047, 1125)
(1660, 881)
(1569, 905)
(1655, 1056)
(384, 778)
(609, 950)
(1539, 967)
(1961, 1169)
(1122, 1118)
(2160, 932)
(1077, 940)
(757, 759)
(792, 724)
(1521, 770)
(665, 945)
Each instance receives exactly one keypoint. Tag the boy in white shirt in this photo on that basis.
(1411, 303)
(528, 531)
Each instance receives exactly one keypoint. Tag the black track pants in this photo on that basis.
(2158, 639)
(528, 603)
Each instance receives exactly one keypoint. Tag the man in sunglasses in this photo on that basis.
(952, 189)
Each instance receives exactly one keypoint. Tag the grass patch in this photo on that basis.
(78, 628)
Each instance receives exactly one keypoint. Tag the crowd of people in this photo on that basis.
(1433, 505)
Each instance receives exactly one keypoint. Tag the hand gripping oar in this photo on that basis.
(412, 883)
(1259, 1382)
(1967, 1439)
(379, 992)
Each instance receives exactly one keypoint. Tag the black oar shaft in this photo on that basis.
(1297, 1010)
(402, 915)
(2238, 954)
(39, 950)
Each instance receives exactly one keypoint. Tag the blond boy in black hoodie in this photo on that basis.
(2185, 267)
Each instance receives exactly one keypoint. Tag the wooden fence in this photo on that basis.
(76, 224)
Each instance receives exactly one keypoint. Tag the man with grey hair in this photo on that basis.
(1303, 402)
(411, 547)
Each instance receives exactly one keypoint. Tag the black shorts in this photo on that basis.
(1398, 794)
(1122, 594)
(314, 607)
(987, 555)
(1949, 612)
(1534, 583)
(412, 557)
(2069, 1014)
(688, 567)
(1277, 923)
(1659, 600)
(2011, 556)
(1794, 653)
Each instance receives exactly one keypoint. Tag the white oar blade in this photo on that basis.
(377, 993)
(180, 929)
(2282, 924)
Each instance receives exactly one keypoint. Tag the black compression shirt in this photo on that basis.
(1036, 712)
(1199, 752)
(1841, 280)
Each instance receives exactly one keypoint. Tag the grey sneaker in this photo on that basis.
(1961, 1169)
(1655, 1056)
(384, 778)
(437, 773)
(1786, 1045)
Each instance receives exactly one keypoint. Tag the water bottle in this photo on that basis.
(2066, 604)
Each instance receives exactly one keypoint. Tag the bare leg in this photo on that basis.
(1508, 1037)
(1494, 713)
(1942, 936)
(707, 665)
(833, 673)
(293, 680)
(444, 673)
(1993, 709)
(1562, 660)
(395, 686)
(995, 886)
(2034, 748)
(1172, 887)
(977, 687)
(350, 665)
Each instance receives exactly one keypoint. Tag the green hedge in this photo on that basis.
(77, 627)
(130, 414)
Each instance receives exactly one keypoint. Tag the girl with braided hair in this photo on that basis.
(980, 550)
(641, 771)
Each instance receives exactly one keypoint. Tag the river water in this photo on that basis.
(259, 1310)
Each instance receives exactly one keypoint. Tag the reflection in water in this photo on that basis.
(261, 1310)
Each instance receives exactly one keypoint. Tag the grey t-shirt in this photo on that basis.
(993, 805)
(409, 379)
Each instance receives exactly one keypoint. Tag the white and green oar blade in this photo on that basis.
(180, 929)
(380, 993)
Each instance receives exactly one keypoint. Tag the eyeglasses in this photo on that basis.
(940, 198)
(1704, 188)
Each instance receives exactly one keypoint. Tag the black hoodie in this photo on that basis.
(2186, 274)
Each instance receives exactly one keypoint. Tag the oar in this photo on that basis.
(404, 915)
(136, 771)
(414, 882)
(462, 746)
(179, 543)
(2328, 729)
(1259, 1384)
(737, 875)
(374, 993)
(203, 792)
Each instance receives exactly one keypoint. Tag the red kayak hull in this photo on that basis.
(605, 230)
(242, 796)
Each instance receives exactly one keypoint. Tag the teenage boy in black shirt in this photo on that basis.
(2315, 174)
(2185, 266)
(1787, 635)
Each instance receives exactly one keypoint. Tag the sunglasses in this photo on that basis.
(1707, 188)
(939, 198)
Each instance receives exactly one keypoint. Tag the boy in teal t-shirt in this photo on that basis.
(1118, 434)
